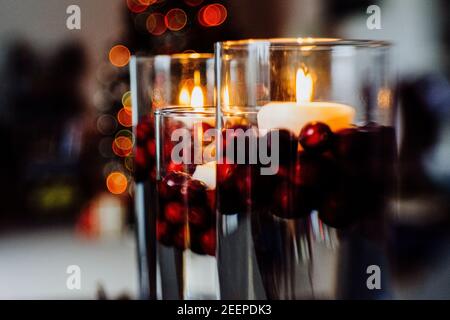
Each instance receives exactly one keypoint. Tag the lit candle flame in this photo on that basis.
(197, 100)
(304, 86)
(184, 98)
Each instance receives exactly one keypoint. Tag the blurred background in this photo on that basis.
(66, 165)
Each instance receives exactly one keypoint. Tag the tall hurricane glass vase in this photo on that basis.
(186, 219)
(158, 82)
(306, 167)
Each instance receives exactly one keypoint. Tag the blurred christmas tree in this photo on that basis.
(151, 27)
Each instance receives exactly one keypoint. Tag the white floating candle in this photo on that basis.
(206, 173)
(293, 116)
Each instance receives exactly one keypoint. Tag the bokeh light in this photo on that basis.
(212, 15)
(156, 24)
(138, 6)
(123, 143)
(175, 19)
(124, 117)
(126, 101)
(120, 152)
(116, 182)
(129, 163)
(106, 124)
(119, 55)
(193, 3)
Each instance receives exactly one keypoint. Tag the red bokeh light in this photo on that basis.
(156, 24)
(124, 117)
(175, 19)
(122, 146)
(212, 15)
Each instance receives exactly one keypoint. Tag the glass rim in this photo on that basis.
(206, 111)
(176, 56)
(308, 42)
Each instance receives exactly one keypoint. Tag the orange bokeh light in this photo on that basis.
(124, 143)
(119, 152)
(116, 182)
(156, 24)
(122, 146)
(124, 117)
(119, 55)
(175, 19)
(212, 15)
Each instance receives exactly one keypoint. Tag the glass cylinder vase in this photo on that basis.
(305, 174)
(186, 215)
(157, 82)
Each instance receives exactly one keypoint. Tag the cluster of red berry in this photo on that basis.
(145, 152)
(186, 207)
(343, 175)
(186, 214)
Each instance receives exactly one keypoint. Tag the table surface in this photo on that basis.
(33, 265)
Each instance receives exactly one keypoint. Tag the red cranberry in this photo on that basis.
(194, 191)
(367, 156)
(316, 136)
(170, 188)
(229, 200)
(234, 187)
(337, 210)
(299, 188)
(167, 151)
(175, 167)
(208, 242)
(151, 148)
(180, 238)
(144, 130)
(198, 217)
(287, 145)
(225, 170)
(140, 159)
(175, 213)
(195, 243)
(243, 179)
(263, 187)
(290, 201)
(141, 164)
(315, 171)
(163, 234)
(211, 195)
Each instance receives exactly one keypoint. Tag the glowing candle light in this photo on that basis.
(294, 115)
(197, 100)
(184, 98)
